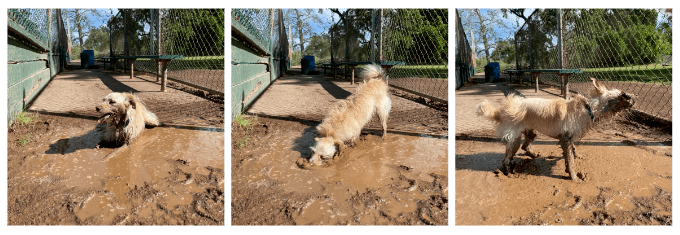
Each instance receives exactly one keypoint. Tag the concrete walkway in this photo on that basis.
(311, 97)
(469, 96)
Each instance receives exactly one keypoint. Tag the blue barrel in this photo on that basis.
(91, 53)
(305, 66)
(311, 62)
(496, 69)
(84, 60)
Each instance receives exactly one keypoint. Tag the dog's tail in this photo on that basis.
(487, 110)
(373, 71)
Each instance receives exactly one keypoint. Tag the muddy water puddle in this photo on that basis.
(389, 171)
(623, 185)
(164, 158)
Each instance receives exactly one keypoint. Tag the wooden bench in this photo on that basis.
(161, 60)
(333, 66)
(564, 73)
(104, 60)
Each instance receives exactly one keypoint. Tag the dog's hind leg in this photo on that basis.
(529, 137)
(511, 148)
(383, 109)
(567, 145)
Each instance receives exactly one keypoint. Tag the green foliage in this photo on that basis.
(25, 140)
(244, 121)
(243, 142)
(505, 51)
(25, 118)
(617, 37)
(420, 36)
(194, 32)
(481, 62)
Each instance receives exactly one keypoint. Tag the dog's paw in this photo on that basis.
(303, 163)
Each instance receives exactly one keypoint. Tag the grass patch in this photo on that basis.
(26, 118)
(244, 121)
(25, 140)
(243, 142)
(653, 73)
(416, 71)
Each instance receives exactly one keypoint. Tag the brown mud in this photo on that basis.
(626, 165)
(401, 180)
(171, 174)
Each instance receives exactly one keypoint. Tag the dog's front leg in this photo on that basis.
(529, 137)
(510, 149)
(567, 145)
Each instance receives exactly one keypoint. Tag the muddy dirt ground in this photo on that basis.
(169, 175)
(402, 180)
(626, 164)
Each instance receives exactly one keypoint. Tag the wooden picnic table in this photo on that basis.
(564, 73)
(386, 65)
(161, 60)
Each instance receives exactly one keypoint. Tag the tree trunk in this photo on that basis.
(482, 30)
(302, 37)
(79, 26)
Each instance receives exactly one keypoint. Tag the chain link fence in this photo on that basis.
(465, 66)
(627, 49)
(197, 34)
(35, 36)
(417, 37)
(260, 54)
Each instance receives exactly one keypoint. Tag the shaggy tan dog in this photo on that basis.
(344, 122)
(124, 118)
(566, 120)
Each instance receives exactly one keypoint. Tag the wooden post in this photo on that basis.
(132, 67)
(565, 84)
(158, 73)
(519, 75)
(535, 76)
(164, 69)
(352, 67)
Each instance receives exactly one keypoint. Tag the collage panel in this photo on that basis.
(340, 117)
(115, 116)
(563, 117)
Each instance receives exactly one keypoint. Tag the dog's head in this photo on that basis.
(325, 148)
(116, 105)
(610, 102)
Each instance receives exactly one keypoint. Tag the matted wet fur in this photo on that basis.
(124, 118)
(343, 124)
(566, 120)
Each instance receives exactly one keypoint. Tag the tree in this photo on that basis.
(300, 20)
(98, 39)
(486, 26)
(83, 21)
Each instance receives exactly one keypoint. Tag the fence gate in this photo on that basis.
(259, 54)
(36, 52)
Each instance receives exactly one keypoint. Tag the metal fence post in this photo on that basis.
(531, 58)
(380, 44)
(271, 45)
(158, 38)
(49, 42)
(372, 44)
(559, 39)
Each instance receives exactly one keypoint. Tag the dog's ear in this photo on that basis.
(598, 85)
(130, 100)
